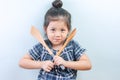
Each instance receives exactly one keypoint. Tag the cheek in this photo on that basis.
(50, 35)
(48, 32)
(66, 34)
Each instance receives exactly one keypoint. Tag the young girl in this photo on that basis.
(57, 26)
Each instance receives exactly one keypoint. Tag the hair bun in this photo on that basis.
(57, 4)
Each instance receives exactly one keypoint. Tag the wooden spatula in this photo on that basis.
(36, 33)
(67, 41)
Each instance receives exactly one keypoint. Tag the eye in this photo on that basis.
(53, 30)
(62, 30)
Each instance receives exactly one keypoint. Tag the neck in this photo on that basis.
(57, 47)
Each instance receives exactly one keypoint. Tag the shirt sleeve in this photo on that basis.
(78, 50)
(36, 51)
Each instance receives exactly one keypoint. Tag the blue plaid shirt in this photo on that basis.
(72, 52)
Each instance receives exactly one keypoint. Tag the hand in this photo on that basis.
(58, 60)
(47, 65)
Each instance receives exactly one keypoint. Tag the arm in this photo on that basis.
(28, 63)
(82, 64)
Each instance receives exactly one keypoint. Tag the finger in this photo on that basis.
(55, 57)
(57, 62)
(51, 64)
(47, 70)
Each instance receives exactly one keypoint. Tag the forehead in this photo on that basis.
(57, 18)
(59, 23)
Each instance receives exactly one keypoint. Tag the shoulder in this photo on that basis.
(38, 46)
(74, 43)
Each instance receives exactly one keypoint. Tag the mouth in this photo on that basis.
(57, 40)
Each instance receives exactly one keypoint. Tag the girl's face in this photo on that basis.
(57, 32)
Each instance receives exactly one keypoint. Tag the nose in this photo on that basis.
(57, 33)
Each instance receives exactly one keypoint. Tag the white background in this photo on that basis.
(98, 30)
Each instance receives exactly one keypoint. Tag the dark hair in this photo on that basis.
(57, 13)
